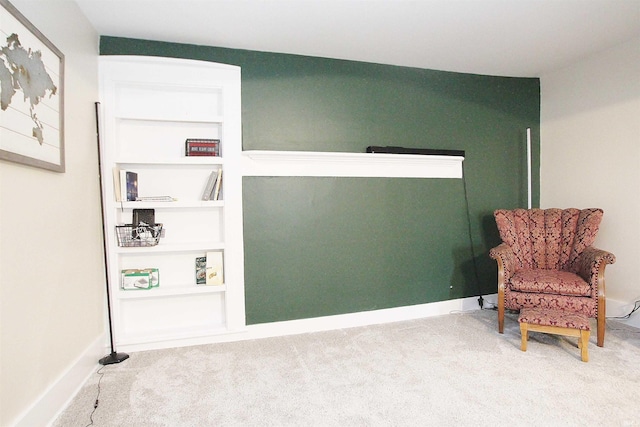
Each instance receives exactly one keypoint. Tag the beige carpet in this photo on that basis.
(452, 370)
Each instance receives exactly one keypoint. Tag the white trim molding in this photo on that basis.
(332, 164)
(363, 318)
(325, 323)
(55, 399)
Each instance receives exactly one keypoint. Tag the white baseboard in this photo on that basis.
(617, 308)
(363, 318)
(317, 324)
(50, 404)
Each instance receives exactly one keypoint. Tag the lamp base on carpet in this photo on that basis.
(113, 358)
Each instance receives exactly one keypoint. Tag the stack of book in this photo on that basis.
(210, 269)
(213, 188)
(125, 185)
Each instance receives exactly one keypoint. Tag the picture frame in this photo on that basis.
(31, 94)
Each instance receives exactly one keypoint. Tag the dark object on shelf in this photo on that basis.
(140, 236)
(144, 216)
(201, 270)
(131, 183)
(114, 356)
(202, 147)
(421, 151)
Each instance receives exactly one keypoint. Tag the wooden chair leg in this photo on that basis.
(583, 344)
(500, 311)
(602, 305)
(525, 336)
(602, 324)
(500, 296)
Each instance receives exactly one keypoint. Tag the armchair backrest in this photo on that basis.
(551, 239)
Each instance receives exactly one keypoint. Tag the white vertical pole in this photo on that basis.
(529, 168)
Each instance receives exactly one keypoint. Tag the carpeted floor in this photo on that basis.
(452, 370)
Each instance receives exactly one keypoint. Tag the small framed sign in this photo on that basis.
(202, 147)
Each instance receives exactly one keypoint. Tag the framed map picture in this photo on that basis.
(31, 94)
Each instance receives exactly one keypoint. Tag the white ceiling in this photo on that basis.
(520, 38)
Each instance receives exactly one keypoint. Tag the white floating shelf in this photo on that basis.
(332, 164)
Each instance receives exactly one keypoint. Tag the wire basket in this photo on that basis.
(139, 236)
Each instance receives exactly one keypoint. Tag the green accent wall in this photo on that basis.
(324, 246)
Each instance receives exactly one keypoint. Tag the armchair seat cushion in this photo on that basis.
(555, 282)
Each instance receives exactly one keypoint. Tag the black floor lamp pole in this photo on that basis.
(113, 357)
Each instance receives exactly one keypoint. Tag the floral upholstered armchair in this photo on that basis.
(546, 260)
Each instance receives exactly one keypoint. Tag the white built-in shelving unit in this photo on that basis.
(149, 107)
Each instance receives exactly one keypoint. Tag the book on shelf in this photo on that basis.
(218, 187)
(215, 268)
(116, 184)
(202, 147)
(201, 270)
(208, 188)
(212, 189)
(128, 186)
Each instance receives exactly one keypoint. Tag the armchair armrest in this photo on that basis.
(591, 263)
(590, 266)
(506, 259)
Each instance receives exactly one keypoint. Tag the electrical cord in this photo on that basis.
(491, 306)
(627, 329)
(473, 253)
(636, 307)
(97, 402)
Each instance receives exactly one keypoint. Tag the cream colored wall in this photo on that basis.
(51, 265)
(590, 156)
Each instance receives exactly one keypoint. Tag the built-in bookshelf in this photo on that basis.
(149, 108)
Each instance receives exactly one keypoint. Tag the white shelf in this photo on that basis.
(167, 248)
(331, 164)
(176, 204)
(215, 120)
(177, 161)
(161, 291)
